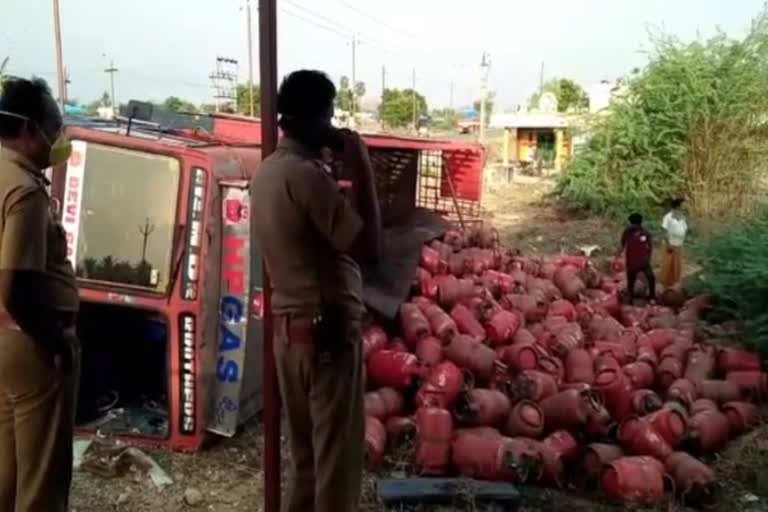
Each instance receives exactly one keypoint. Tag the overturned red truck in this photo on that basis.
(157, 223)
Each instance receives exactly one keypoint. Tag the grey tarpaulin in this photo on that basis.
(387, 284)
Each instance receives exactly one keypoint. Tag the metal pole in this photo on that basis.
(268, 77)
(250, 63)
(450, 99)
(383, 81)
(60, 78)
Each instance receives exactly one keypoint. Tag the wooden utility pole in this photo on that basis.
(354, 76)
(60, 78)
(450, 97)
(383, 81)
(541, 79)
(145, 231)
(111, 70)
(252, 104)
(485, 65)
(413, 97)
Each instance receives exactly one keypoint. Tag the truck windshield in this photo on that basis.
(126, 215)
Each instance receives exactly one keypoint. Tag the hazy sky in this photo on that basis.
(169, 47)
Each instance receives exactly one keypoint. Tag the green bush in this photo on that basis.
(734, 270)
(692, 123)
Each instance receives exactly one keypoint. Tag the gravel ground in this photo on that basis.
(227, 477)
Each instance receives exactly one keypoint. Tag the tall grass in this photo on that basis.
(734, 269)
(693, 122)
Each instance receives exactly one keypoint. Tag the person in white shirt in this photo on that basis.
(675, 228)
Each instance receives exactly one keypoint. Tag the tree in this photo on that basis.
(692, 123)
(397, 107)
(207, 108)
(175, 104)
(244, 100)
(106, 99)
(344, 96)
(445, 119)
(359, 91)
(489, 103)
(569, 94)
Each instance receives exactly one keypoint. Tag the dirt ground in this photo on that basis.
(227, 477)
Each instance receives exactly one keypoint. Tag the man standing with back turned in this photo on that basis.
(38, 306)
(313, 238)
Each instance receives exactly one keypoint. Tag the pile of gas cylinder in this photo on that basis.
(532, 370)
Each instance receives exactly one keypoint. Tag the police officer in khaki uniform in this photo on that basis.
(38, 306)
(313, 238)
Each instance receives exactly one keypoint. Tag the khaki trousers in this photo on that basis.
(323, 401)
(36, 425)
(671, 266)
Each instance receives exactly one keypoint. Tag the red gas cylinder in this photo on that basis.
(489, 432)
(523, 337)
(552, 366)
(552, 469)
(598, 455)
(616, 389)
(375, 441)
(563, 308)
(645, 401)
(374, 339)
(442, 386)
(579, 366)
(442, 325)
(640, 374)
(563, 443)
(567, 409)
(397, 345)
(639, 437)
(719, 391)
(482, 407)
(501, 327)
(683, 391)
(489, 458)
(525, 420)
(451, 291)
(430, 260)
(532, 307)
(600, 423)
(679, 349)
(384, 403)
(741, 416)
(659, 339)
(615, 349)
(394, 369)
(647, 354)
(670, 424)
(478, 358)
(413, 323)
(694, 480)
(467, 322)
(534, 385)
(668, 371)
(701, 363)
(734, 360)
(753, 384)
(605, 361)
(633, 479)
(710, 430)
(703, 404)
(434, 431)
(400, 428)
(632, 316)
(424, 284)
(429, 350)
(519, 356)
(568, 338)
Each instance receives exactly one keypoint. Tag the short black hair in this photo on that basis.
(635, 219)
(305, 94)
(26, 98)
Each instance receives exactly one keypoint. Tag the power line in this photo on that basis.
(375, 19)
(315, 23)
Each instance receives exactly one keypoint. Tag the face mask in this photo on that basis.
(60, 149)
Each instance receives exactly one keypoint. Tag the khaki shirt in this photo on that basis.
(30, 238)
(305, 227)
